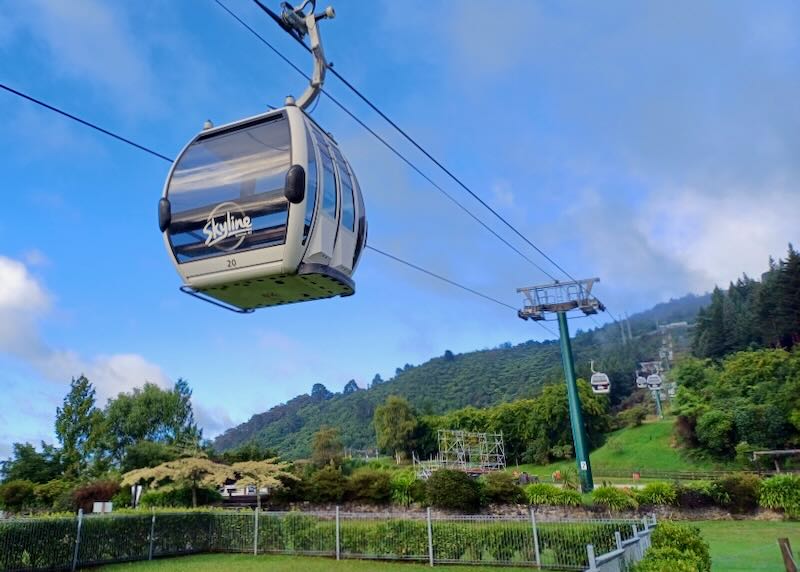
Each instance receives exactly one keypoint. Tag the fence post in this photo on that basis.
(152, 534)
(786, 553)
(430, 538)
(338, 535)
(255, 532)
(77, 540)
(618, 538)
(535, 537)
(644, 522)
(592, 560)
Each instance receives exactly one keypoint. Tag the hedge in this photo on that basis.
(48, 543)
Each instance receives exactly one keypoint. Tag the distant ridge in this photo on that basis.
(452, 381)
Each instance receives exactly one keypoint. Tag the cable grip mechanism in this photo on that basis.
(300, 23)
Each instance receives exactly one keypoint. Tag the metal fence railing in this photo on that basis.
(624, 554)
(65, 543)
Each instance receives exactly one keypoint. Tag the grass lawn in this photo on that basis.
(738, 545)
(646, 447)
(247, 562)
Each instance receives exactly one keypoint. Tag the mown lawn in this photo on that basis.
(746, 545)
(248, 562)
(646, 447)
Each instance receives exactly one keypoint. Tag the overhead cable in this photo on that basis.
(165, 158)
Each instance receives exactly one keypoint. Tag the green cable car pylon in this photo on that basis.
(560, 298)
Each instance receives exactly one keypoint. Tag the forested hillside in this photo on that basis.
(453, 381)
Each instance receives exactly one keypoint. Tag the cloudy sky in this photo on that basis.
(656, 145)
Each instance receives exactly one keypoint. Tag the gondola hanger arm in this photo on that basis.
(298, 23)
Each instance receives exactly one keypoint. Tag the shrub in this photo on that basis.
(738, 492)
(177, 497)
(781, 492)
(634, 416)
(715, 431)
(326, 485)
(55, 495)
(696, 494)
(657, 494)
(667, 559)
(97, 491)
(569, 478)
(502, 488)
(614, 499)
(16, 494)
(453, 490)
(546, 494)
(369, 485)
(686, 540)
(402, 484)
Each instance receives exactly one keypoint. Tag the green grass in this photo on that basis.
(646, 447)
(248, 562)
(739, 546)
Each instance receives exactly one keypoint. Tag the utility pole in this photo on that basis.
(559, 298)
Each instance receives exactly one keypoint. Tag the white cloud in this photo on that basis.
(23, 303)
(718, 237)
(20, 293)
(213, 420)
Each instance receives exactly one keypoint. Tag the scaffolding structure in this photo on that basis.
(471, 452)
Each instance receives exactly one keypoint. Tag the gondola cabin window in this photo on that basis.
(311, 186)
(348, 206)
(227, 191)
(328, 176)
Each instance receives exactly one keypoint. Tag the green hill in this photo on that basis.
(649, 447)
(453, 381)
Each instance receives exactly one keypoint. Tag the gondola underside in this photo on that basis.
(312, 282)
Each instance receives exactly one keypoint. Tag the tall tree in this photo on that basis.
(77, 426)
(26, 463)
(395, 424)
(151, 414)
(326, 447)
(320, 392)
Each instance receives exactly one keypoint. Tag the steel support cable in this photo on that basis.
(382, 140)
(84, 122)
(167, 159)
(411, 140)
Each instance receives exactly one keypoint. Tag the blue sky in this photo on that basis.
(655, 145)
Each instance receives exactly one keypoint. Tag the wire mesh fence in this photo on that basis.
(436, 538)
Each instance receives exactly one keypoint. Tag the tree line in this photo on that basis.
(752, 313)
(150, 432)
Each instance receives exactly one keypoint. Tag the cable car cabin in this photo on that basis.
(600, 383)
(262, 212)
(641, 382)
(654, 381)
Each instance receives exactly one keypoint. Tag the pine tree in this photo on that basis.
(78, 426)
(788, 293)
